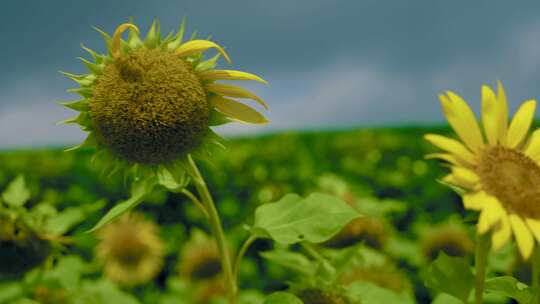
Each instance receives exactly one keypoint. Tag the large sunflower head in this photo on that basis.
(131, 250)
(500, 172)
(152, 101)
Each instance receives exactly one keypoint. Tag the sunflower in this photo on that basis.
(322, 296)
(369, 230)
(449, 238)
(149, 103)
(386, 276)
(21, 248)
(501, 174)
(131, 250)
(200, 259)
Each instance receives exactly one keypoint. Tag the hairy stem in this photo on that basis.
(217, 229)
(480, 260)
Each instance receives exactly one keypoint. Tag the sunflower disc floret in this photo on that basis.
(149, 106)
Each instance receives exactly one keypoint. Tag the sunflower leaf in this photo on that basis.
(451, 275)
(282, 298)
(293, 219)
(512, 288)
(16, 194)
(139, 190)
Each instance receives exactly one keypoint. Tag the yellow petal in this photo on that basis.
(444, 156)
(533, 147)
(234, 91)
(237, 111)
(502, 105)
(229, 75)
(523, 236)
(490, 215)
(490, 115)
(465, 177)
(534, 226)
(462, 120)
(453, 146)
(476, 200)
(117, 37)
(519, 127)
(199, 46)
(502, 234)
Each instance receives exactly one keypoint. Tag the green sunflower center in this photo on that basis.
(513, 178)
(149, 107)
(128, 250)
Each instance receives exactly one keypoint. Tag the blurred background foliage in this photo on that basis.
(410, 217)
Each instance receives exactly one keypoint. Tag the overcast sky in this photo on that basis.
(330, 63)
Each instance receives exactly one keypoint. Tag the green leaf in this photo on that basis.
(139, 190)
(512, 288)
(291, 260)
(103, 292)
(451, 275)
(173, 182)
(282, 298)
(370, 293)
(444, 298)
(294, 219)
(16, 193)
(70, 217)
(9, 291)
(68, 271)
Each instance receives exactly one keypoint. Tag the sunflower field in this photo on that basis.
(156, 207)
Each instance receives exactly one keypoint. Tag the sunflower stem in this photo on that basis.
(535, 264)
(217, 229)
(480, 261)
(241, 254)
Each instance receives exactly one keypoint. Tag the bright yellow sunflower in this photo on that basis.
(131, 250)
(149, 103)
(501, 174)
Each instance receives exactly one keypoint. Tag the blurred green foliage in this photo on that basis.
(381, 171)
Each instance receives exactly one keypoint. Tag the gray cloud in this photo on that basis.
(330, 63)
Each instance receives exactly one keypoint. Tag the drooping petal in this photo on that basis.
(523, 236)
(519, 127)
(502, 234)
(465, 177)
(234, 91)
(502, 105)
(199, 46)
(477, 200)
(453, 146)
(533, 147)
(117, 37)
(237, 110)
(534, 226)
(462, 120)
(444, 156)
(490, 216)
(230, 75)
(490, 115)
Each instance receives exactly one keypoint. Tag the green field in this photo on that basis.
(382, 172)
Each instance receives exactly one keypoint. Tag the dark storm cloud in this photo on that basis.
(330, 63)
